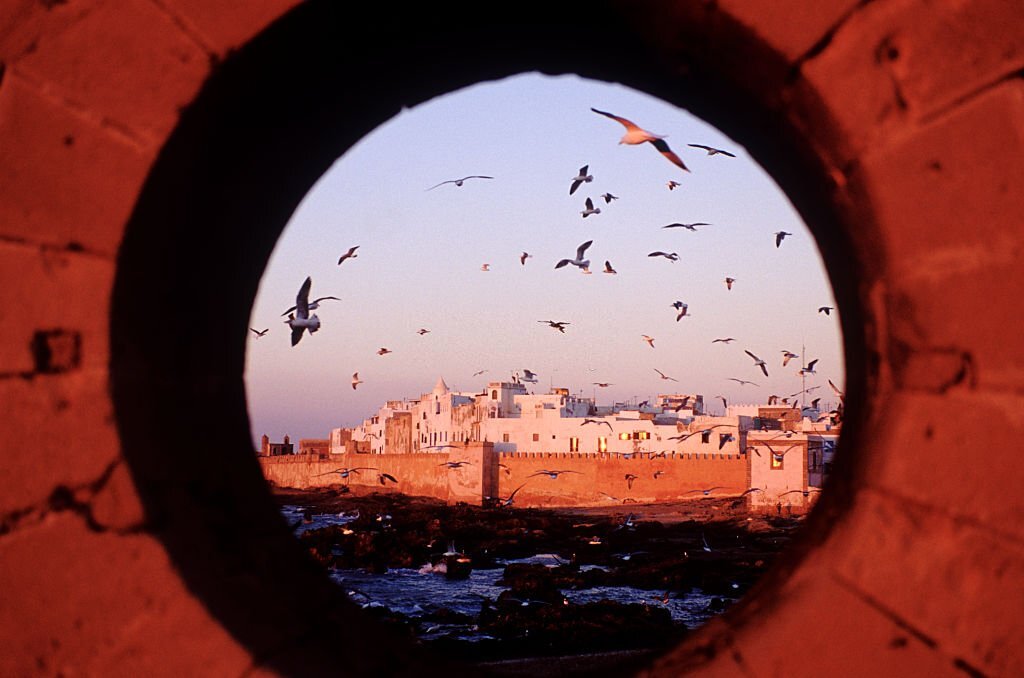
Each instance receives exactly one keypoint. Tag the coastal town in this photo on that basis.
(508, 446)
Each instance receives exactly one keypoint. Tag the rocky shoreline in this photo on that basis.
(666, 550)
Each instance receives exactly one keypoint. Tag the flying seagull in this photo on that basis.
(346, 472)
(728, 283)
(351, 254)
(663, 375)
(808, 368)
(596, 421)
(725, 403)
(259, 333)
(579, 261)
(787, 356)
(590, 209)
(827, 310)
(671, 256)
(356, 380)
(478, 373)
(648, 339)
(608, 268)
(726, 340)
(485, 267)
(779, 237)
(550, 474)
(557, 325)
(602, 384)
(301, 320)
(682, 308)
(423, 330)
(711, 150)
(458, 182)
(523, 257)
(673, 185)
(688, 227)
(581, 178)
(608, 197)
(382, 477)
(529, 376)
(384, 351)
(635, 135)
(312, 305)
(758, 362)
(741, 382)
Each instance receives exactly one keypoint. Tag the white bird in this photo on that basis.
(608, 197)
(590, 209)
(523, 257)
(711, 150)
(648, 339)
(809, 368)
(726, 340)
(458, 182)
(635, 135)
(728, 283)
(741, 382)
(259, 333)
(579, 261)
(663, 375)
(478, 373)
(356, 380)
(301, 320)
(758, 362)
(351, 254)
(529, 376)
(313, 305)
(608, 268)
(787, 356)
(485, 267)
(779, 237)
(580, 179)
(688, 227)
(682, 308)
(671, 256)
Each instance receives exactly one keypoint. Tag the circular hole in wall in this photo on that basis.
(616, 417)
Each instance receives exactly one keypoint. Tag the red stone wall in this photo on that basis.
(894, 125)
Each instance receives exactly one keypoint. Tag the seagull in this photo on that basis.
(382, 477)
(787, 356)
(590, 209)
(648, 339)
(808, 368)
(523, 257)
(581, 178)
(682, 308)
(507, 501)
(806, 492)
(711, 150)
(345, 472)
(673, 185)
(312, 305)
(259, 333)
(728, 283)
(550, 474)
(455, 464)
(663, 375)
(688, 227)
(741, 382)
(423, 330)
(602, 384)
(758, 362)
(727, 340)
(635, 135)
(303, 321)
(478, 373)
(725, 403)
(558, 325)
(726, 438)
(608, 197)
(779, 237)
(673, 257)
(608, 268)
(835, 389)
(530, 377)
(351, 254)
(705, 492)
(629, 480)
(659, 473)
(356, 380)
(485, 267)
(384, 351)
(827, 310)
(458, 182)
(596, 421)
(579, 261)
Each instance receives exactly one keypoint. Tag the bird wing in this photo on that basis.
(476, 176)
(810, 365)
(657, 254)
(583, 248)
(589, 204)
(628, 124)
(575, 185)
(450, 181)
(764, 369)
(563, 262)
(663, 148)
(302, 300)
(296, 334)
(752, 355)
(674, 225)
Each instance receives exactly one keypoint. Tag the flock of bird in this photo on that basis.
(301, 318)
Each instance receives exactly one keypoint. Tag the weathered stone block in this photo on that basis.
(227, 24)
(792, 27)
(65, 181)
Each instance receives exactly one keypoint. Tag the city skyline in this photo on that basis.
(422, 247)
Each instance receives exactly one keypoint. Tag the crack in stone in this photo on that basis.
(970, 96)
(823, 42)
(189, 32)
(66, 498)
(892, 616)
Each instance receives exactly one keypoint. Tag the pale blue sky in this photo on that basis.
(421, 251)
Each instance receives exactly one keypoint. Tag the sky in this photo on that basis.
(420, 255)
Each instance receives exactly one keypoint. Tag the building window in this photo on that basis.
(776, 463)
(644, 435)
(574, 444)
(624, 436)
(504, 437)
(536, 437)
(494, 395)
(602, 444)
